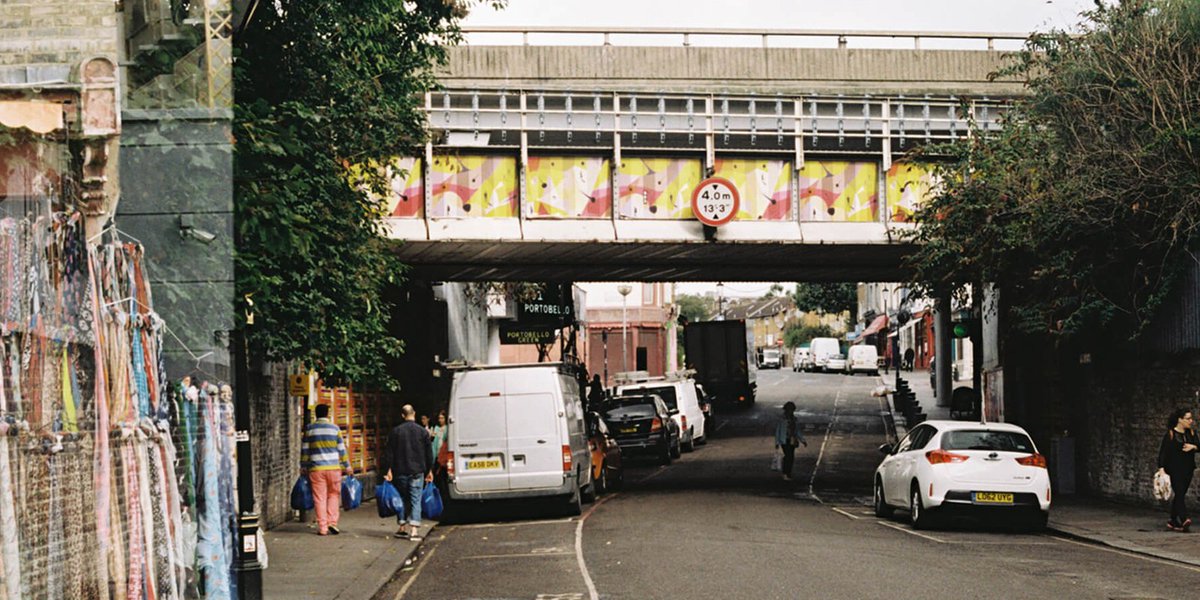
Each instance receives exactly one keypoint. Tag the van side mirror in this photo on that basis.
(885, 448)
(673, 412)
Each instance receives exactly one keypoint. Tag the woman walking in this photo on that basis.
(1177, 457)
(787, 437)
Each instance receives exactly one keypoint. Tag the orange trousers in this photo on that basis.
(327, 497)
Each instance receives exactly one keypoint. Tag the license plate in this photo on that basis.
(629, 430)
(491, 463)
(993, 498)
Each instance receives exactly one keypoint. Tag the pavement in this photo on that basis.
(354, 565)
(1141, 529)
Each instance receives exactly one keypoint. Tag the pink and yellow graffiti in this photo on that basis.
(657, 188)
(839, 191)
(570, 187)
(765, 187)
(473, 186)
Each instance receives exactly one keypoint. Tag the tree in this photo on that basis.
(694, 308)
(1085, 204)
(826, 297)
(797, 335)
(774, 291)
(321, 86)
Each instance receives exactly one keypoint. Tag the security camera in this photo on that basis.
(200, 235)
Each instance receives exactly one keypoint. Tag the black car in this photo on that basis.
(642, 424)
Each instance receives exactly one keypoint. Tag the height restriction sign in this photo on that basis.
(715, 201)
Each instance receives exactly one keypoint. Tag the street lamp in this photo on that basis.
(624, 290)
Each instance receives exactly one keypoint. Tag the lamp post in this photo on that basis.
(624, 290)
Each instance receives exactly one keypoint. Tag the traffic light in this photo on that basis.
(964, 328)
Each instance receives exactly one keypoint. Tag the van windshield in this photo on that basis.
(666, 393)
(631, 411)
(1004, 441)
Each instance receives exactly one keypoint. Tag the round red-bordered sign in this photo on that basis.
(715, 201)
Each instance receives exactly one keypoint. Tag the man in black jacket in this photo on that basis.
(409, 459)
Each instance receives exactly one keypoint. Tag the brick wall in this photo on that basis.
(1126, 413)
(52, 32)
(277, 421)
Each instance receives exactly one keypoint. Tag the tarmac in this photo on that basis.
(358, 563)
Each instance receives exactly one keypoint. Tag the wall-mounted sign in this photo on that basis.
(554, 306)
(298, 384)
(715, 201)
(516, 333)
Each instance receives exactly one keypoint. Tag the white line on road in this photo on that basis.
(1152, 559)
(840, 511)
(656, 473)
(516, 523)
(910, 532)
(587, 577)
(420, 565)
(719, 427)
(828, 430)
(521, 555)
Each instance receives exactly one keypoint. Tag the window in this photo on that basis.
(921, 437)
(630, 411)
(648, 294)
(979, 439)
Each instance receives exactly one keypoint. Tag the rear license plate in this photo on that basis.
(491, 463)
(629, 430)
(993, 498)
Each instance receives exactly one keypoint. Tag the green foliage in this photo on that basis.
(1082, 207)
(321, 86)
(797, 335)
(826, 297)
(694, 308)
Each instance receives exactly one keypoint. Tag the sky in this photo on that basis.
(993, 16)
(1016, 16)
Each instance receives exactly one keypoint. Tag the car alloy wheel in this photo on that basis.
(917, 515)
(881, 508)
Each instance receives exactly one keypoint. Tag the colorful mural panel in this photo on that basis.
(657, 188)
(569, 187)
(765, 187)
(407, 199)
(833, 190)
(908, 185)
(473, 186)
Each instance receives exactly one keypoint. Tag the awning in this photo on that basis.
(38, 116)
(879, 324)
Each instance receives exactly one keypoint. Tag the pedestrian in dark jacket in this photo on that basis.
(787, 437)
(1177, 457)
(409, 459)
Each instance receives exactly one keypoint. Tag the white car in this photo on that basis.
(836, 363)
(946, 466)
(680, 396)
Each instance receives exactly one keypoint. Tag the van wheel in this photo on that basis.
(588, 492)
(665, 457)
(676, 450)
(575, 502)
(691, 443)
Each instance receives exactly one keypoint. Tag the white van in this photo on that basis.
(679, 393)
(822, 348)
(802, 359)
(771, 359)
(863, 358)
(517, 431)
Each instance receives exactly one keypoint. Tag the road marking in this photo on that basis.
(910, 532)
(420, 566)
(778, 381)
(568, 596)
(516, 523)
(723, 424)
(840, 511)
(1123, 552)
(656, 473)
(828, 430)
(587, 577)
(521, 555)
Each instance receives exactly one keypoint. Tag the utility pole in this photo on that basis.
(624, 290)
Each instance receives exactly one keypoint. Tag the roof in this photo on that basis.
(944, 425)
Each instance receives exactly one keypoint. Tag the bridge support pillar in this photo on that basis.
(944, 363)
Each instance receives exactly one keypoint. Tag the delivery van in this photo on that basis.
(517, 431)
(822, 348)
(863, 358)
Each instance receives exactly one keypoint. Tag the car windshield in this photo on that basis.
(972, 439)
(666, 393)
(635, 410)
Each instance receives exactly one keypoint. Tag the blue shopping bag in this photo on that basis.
(387, 501)
(431, 501)
(351, 493)
(302, 498)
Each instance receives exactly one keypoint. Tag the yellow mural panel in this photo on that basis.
(473, 186)
(833, 190)
(764, 186)
(908, 185)
(571, 187)
(657, 188)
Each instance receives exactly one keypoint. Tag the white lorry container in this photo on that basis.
(517, 431)
(822, 348)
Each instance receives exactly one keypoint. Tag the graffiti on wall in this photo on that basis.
(473, 186)
(908, 185)
(834, 190)
(569, 187)
(407, 198)
(765, 187)
(657, 188)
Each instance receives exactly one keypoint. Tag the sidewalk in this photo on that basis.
(1134, 528)
(352, 566)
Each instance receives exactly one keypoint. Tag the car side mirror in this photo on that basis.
(673, 412)
(886, 448)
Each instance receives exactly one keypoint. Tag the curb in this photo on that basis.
(386, 579)
(1083, 535)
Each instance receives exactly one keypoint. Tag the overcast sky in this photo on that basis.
(1016, 16)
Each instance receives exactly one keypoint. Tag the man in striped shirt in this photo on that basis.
(323, 458)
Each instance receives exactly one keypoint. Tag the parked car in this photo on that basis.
(679, 393)
(642, 424)
(836, 363)
(945, 466)
(710, 417)
(822, 349)
(607, 470)
(802, 359)
(517, 431)
(862, 358)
